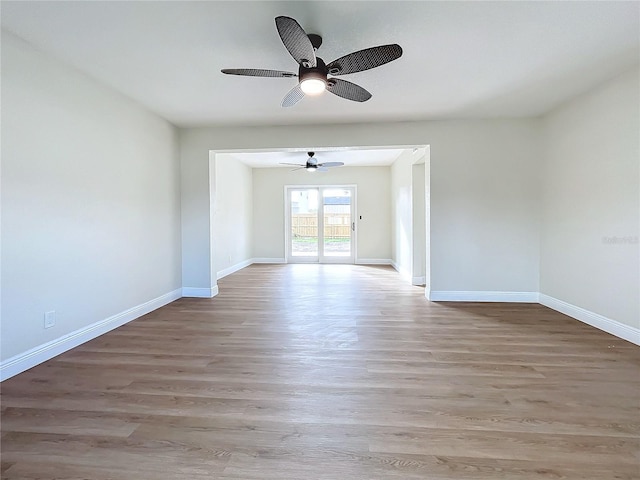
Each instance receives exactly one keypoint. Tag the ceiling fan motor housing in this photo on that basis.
(318, 72)
(312, 162)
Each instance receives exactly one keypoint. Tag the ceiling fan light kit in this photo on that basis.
(313, 84)
(313, 72)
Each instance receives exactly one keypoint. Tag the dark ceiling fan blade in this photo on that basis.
(294, 164)
(331, 164)
(294, 96)
(365, 59)
(296, 41)
(257, 72)
(347, 90)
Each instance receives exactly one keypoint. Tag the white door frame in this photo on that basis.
(321, 258)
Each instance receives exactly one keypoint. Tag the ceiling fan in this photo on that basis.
(313, 73)
(312, 164)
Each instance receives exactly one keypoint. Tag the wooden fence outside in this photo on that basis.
(336, 225)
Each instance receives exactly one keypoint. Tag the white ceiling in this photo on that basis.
(352, 157)
(461, 59)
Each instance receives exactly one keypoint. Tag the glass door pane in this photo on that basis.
(304, 223)
(337, 220)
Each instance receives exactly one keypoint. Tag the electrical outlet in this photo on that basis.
(49, 319)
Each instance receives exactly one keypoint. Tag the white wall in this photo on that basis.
(197, 181)
(589, 241)
(232, 225)
(427, 221)
(418, 203)
(90, 201)
(372, 203)
(408, 215)
(484, 193)
(402, 214)
(485, 207)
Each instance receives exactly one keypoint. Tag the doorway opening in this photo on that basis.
(392, 215)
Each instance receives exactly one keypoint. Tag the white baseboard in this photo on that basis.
(268, 260)
(482, 296)
(373, 261)
(596, 320)
(358, 261)
(24, 361)
(404, 274)
(233, 268)
(196, 292)
(418, 281)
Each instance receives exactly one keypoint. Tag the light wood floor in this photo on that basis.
(338, 372)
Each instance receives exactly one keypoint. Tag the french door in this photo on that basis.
(320, 224)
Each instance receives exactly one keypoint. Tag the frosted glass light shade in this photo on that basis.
(312, 86)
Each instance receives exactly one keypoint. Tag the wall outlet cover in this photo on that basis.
(49, 319)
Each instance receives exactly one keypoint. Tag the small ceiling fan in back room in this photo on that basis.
(312, 164)
(314, 76)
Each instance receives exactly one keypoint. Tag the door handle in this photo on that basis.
(353, 226)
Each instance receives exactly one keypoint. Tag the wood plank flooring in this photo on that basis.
(311, 372)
